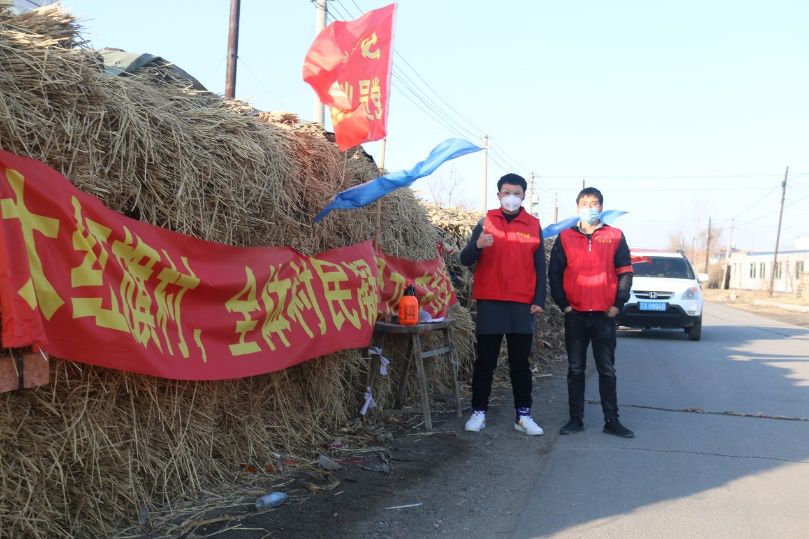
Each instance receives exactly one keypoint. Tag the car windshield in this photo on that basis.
(660, 266)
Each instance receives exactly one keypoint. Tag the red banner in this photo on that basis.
(90, 285)
(348, 66)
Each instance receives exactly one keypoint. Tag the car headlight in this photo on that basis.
(691, 293)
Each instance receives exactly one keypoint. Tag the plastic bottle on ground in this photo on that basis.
(273, 499)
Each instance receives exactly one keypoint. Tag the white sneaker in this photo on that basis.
(477, 422)
(527, 425)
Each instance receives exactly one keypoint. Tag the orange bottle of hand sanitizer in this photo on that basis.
(409, 307)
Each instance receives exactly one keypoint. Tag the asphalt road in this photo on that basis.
(721, 450)
(721, 446)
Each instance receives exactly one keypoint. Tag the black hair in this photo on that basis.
(512, 179)
(593, 192)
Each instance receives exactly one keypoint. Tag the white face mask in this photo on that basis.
(589, 215)
(511, 203)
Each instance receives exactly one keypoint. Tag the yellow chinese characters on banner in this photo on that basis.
(146, 303)
(37, 291)
(96, 287)
(430, 278)
(287, 309)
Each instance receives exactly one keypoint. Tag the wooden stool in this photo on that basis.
(416, 354)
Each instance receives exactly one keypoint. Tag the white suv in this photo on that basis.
(665, 293)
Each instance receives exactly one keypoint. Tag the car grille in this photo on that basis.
(652, 294)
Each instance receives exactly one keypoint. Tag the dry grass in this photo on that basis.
(749, 296)
(83, 456)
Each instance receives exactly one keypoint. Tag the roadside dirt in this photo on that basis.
(451, 483)
(745, 300)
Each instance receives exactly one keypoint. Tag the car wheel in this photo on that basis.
(695, 331)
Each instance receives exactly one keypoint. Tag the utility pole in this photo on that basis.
(320, 24)
(485, 169)
(233, 49)
(778, 234)
(727, 255)
(532, 198)
(708, 246)
(556, 207)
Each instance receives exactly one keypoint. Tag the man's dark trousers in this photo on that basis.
(582, 328)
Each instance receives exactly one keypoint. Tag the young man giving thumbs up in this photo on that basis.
(509, 289)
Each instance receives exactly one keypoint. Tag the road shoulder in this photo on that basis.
(451, 483)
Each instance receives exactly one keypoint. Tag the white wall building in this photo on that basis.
(752, 271)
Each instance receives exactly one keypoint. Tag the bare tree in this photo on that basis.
(447, 189)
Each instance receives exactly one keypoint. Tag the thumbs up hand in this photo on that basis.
(484, 240)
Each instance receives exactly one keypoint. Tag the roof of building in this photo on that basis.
(771, 253)
(657, 252)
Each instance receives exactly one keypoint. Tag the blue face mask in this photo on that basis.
(589, 215)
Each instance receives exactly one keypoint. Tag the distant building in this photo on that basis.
(752, 270)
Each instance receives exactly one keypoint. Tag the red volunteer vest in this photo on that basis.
(590, 280)
(505, 271)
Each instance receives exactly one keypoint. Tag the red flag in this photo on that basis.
(348, 66)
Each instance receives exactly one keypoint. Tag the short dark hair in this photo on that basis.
(512, 179)
(593, 192)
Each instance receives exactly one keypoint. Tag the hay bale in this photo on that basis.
(87, 453)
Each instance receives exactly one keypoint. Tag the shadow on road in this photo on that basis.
(714, 415)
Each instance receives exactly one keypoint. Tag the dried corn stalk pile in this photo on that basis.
(87, 453)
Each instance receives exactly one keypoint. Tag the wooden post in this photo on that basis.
(778, 234)
(233, 49)
(378, 209)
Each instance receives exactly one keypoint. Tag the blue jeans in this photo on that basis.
(582, 328)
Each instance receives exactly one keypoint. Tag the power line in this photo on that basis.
(796, 201)
(431, 105)
(663, 177)
(333, 7)
(756, 203)
(469, 125)
(261, 83)
(216, 68)
(660, 189)
(431, 114)
(507, 158)
(449, 106)
(510, 158)
(436, 109)
(433, 110)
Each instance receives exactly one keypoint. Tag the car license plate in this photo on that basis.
(653, 306)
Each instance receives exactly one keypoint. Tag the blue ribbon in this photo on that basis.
(370, 191)
(607, 217)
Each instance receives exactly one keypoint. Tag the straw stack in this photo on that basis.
(97, 448)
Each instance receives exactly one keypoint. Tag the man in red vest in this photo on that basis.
(590, 275)
(509, 288)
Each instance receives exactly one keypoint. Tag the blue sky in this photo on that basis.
(677, 111)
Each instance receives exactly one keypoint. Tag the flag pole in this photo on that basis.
(320, 24)
(378, 213)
